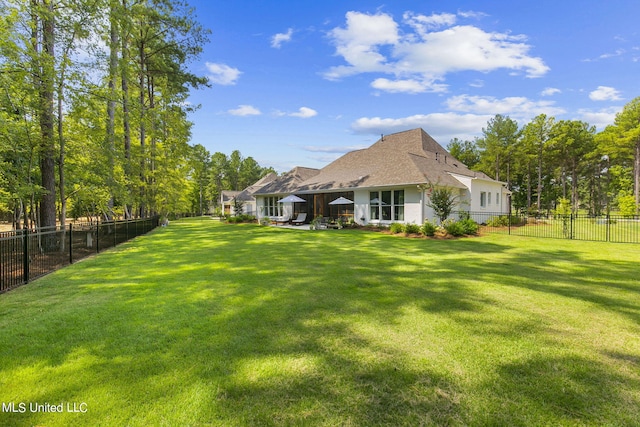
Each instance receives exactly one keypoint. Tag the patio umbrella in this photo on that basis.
(291, 198)
(341, 201)
(377, 201)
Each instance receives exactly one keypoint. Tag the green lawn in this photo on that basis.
(202, 323)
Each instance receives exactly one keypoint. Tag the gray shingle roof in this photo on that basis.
(403, 158)
(289, 182)
(410, 157)
(246, 195)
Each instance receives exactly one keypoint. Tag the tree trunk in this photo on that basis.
(637, 177)
(45, 83)
(126, 123)
(539, 202)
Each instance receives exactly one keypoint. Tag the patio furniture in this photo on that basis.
(282, 219)
(300, 219)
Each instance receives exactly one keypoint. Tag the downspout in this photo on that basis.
(422, 204)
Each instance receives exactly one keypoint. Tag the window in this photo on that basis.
(398, 205)
(375, 205)
(483, 199)
(498, 199)
(271, 206)
(488, 198)
(387, 205)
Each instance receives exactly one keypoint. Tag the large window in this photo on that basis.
(271, 206)
(387, 205)
(483, 199)
(398, 205)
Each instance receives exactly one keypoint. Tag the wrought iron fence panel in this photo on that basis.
(605, 228)
(28, 254)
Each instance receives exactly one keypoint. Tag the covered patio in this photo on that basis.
(331, 206)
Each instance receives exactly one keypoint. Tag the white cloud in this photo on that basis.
(333, 149)
(245, 110)
(600, 119)
(422, 52)
(222, 74)
(605, 93)
(422, 24)
(442, 126)
(516, 107)
(358, 43)
(278, 39)
(472, 14)
(304, 113)
(550, 91)
(407, 86)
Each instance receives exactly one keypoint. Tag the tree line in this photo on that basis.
(213, 174)
(547, 161)
(93, 107)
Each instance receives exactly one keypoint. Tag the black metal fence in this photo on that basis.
(28, 254)
(606, 228)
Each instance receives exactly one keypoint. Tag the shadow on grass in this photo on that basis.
(236, 324)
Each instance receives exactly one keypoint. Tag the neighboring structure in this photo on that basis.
(227, 198)
(226, 201)
(387, 182)
(267, 197)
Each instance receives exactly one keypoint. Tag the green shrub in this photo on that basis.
(454, 228)
(240, 218)
(498, 221)
(503, 221)
(627, 205)
(397, 227)
(429, 229)
(412, 229)
(469, 226)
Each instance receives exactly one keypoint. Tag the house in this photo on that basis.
(246, 197)
(387, 182)
(228, 198)
(267, 197)
(226, 201)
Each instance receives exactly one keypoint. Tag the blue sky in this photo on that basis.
(299, 83)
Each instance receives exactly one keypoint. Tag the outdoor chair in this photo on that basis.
(282, 219)
(300, 219)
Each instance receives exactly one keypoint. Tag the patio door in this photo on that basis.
(318, 205)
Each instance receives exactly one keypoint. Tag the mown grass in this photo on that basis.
(203, 323)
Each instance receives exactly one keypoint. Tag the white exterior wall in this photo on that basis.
(259, 207)
(361, 207)
(495, 200)
(413, 211)
(249, 208)
(496, 203)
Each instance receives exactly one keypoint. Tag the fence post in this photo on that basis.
(70, 243)
(97, 236)
(25, 255)
(571, 228)
(509, 221)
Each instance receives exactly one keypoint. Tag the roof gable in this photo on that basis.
(289, 182)
(246, 195)
(409, 157)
